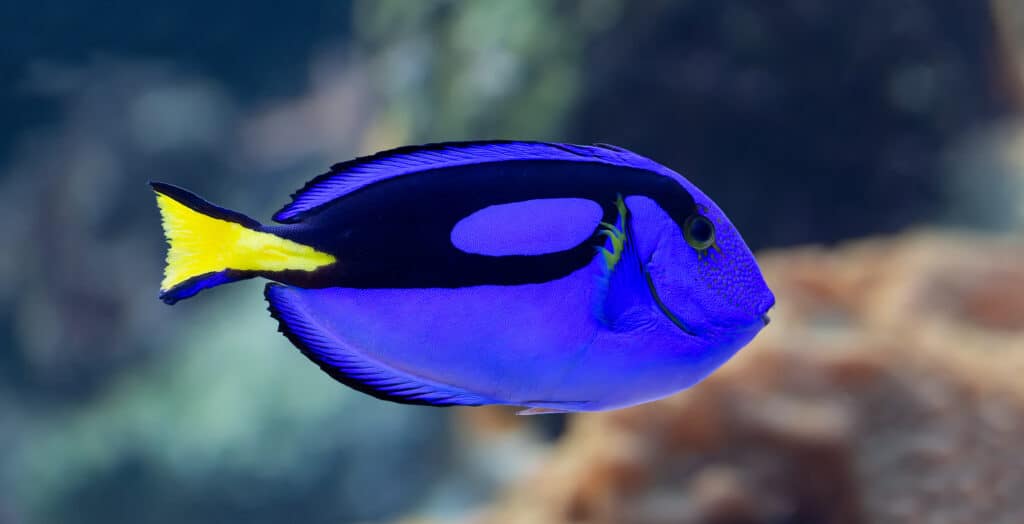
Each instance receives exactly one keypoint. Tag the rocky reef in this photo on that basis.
(887, 389)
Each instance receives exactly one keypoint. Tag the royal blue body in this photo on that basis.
(553, 276)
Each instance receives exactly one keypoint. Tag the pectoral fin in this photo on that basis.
(622, 288)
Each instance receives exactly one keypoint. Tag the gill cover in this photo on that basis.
(624, 286)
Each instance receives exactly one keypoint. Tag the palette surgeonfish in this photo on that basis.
(554, 277)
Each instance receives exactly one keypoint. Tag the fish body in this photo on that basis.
(551, 276)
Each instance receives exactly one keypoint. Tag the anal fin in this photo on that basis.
(302, 313)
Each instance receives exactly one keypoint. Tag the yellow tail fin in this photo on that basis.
(209, 245)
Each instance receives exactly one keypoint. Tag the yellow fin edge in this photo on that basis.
(200, 244)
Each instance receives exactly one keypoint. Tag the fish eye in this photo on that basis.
(699, 232)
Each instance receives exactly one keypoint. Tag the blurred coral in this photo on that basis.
(873, 397)
(1008, 22)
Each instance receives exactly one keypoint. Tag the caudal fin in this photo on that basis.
(209, 245)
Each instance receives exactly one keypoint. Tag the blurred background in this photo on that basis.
(872, 153)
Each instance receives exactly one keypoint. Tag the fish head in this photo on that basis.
(699, 270)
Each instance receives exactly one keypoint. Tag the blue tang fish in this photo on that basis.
(554, 277)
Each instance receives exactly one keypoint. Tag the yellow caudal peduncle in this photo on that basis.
(200, 244)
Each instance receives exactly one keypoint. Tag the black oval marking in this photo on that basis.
(395, 233)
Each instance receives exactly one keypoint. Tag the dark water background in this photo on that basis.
(808, 122)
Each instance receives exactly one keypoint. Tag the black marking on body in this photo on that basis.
(396, 233)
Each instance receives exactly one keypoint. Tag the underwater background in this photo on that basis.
(871, 152)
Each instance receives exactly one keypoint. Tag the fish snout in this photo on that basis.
(764, 308)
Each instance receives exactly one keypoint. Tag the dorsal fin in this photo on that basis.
(349, 176)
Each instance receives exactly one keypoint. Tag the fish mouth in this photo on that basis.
(758, 323)
(768, 307)
(762, 320)
(755, 325)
